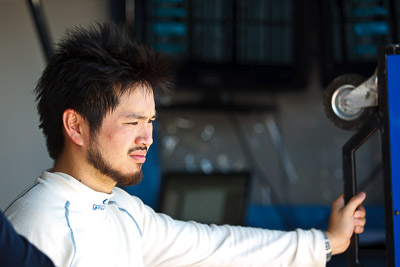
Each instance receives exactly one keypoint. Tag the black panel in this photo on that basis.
(351, 33)
(229, 45)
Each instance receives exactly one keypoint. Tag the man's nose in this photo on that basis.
(145, 136)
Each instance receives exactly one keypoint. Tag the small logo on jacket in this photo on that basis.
(100, 206)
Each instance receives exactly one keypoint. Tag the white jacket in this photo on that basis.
(76, 226)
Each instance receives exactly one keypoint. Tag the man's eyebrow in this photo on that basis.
(138, 116)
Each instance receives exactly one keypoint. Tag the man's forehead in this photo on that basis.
(138, 103)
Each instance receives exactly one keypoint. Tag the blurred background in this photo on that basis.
(244, 137)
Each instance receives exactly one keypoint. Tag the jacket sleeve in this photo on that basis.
(168, 242)
(16, 250)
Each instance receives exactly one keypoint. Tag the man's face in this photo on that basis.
(119, 148)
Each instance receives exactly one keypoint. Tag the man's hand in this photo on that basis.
(344, 220)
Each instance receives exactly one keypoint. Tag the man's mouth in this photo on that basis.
(138, 158)
(139, 155)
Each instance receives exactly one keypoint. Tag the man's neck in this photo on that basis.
(85, 173)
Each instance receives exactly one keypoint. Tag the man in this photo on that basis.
(96, 107)
(16, 251)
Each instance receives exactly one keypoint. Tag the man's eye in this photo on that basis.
(151, 121)
(133, 123)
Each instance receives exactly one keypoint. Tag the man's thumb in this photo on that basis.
(354, 202)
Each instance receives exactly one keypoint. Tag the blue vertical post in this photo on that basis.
(393, 82)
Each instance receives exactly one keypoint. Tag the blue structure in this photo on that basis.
(393, 109)
(386, 118)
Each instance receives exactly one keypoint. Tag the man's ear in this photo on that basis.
(73, 126)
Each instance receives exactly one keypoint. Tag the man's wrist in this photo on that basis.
(328, 248)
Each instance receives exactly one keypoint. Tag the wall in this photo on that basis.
(23, 153)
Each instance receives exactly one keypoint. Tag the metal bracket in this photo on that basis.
(365, 95)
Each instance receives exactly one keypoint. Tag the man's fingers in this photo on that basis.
(360, 222)
(358, 229)
(360, 212)
(354, 203)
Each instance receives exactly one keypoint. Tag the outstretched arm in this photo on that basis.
(344, 221)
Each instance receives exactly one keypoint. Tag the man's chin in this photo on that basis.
(134, 182)
(129, 179)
